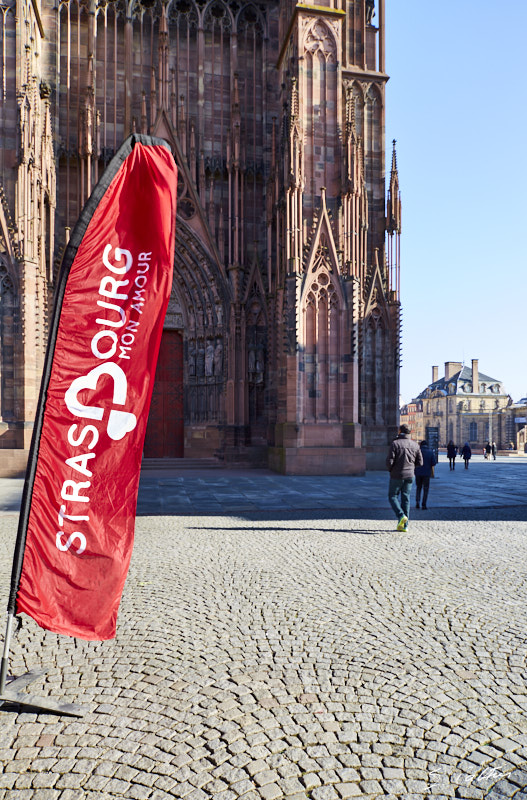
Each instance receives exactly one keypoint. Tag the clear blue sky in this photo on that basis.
(456, 103)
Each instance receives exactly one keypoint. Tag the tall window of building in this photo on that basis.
(473, 432)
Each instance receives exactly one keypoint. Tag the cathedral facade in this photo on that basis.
(281, 341)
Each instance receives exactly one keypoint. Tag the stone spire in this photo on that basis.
(393, 215)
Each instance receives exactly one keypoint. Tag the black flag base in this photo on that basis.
(10, 694)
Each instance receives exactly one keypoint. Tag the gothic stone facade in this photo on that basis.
(281, 340)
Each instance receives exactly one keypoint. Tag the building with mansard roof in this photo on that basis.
(464, 406)
(281, 341)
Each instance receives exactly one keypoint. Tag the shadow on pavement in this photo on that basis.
(258, 529)
(488, 514)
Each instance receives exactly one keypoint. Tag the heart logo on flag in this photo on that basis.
(120, 423)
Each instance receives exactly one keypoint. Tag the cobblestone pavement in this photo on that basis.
(290, 654)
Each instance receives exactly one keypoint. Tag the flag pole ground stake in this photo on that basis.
(5, 656)
(10, 693)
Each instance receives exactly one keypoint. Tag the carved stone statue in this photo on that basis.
(218, 358)
(201, 360)
(252, 361)
(260, 365)
(192, 358)
(370, 11)
(209, 360)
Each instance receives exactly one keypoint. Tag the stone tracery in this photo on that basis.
(320, 39)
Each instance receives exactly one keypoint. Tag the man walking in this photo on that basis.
(466, 453)
(424, 473)
(404, 456)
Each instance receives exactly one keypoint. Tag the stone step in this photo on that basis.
(13, 463)
(180, 463)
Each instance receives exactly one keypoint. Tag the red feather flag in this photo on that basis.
(77, 518)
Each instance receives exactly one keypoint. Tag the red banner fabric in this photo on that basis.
(81, 521)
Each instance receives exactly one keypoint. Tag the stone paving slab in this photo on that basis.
(485, 484)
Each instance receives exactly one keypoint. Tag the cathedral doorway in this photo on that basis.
(164, 431)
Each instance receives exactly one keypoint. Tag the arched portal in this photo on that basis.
(188, 400)
(165, 429)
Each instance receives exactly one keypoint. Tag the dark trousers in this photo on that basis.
(403, 487)
(452, 462)
(422, 482)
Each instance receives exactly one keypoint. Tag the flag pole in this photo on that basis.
(5, 656)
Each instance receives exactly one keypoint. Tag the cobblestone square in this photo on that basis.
(293, 653)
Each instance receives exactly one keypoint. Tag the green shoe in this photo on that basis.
(402, 522)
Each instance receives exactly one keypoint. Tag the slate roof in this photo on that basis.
(459, 380)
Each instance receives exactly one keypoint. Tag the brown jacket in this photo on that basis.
(404, 456)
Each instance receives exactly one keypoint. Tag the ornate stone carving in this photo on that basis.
(174, 317)
(319, 38)
(217, 15)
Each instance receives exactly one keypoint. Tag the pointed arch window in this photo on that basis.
(320, 90)
(322, 340)
(256, 360)
(7, 344)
